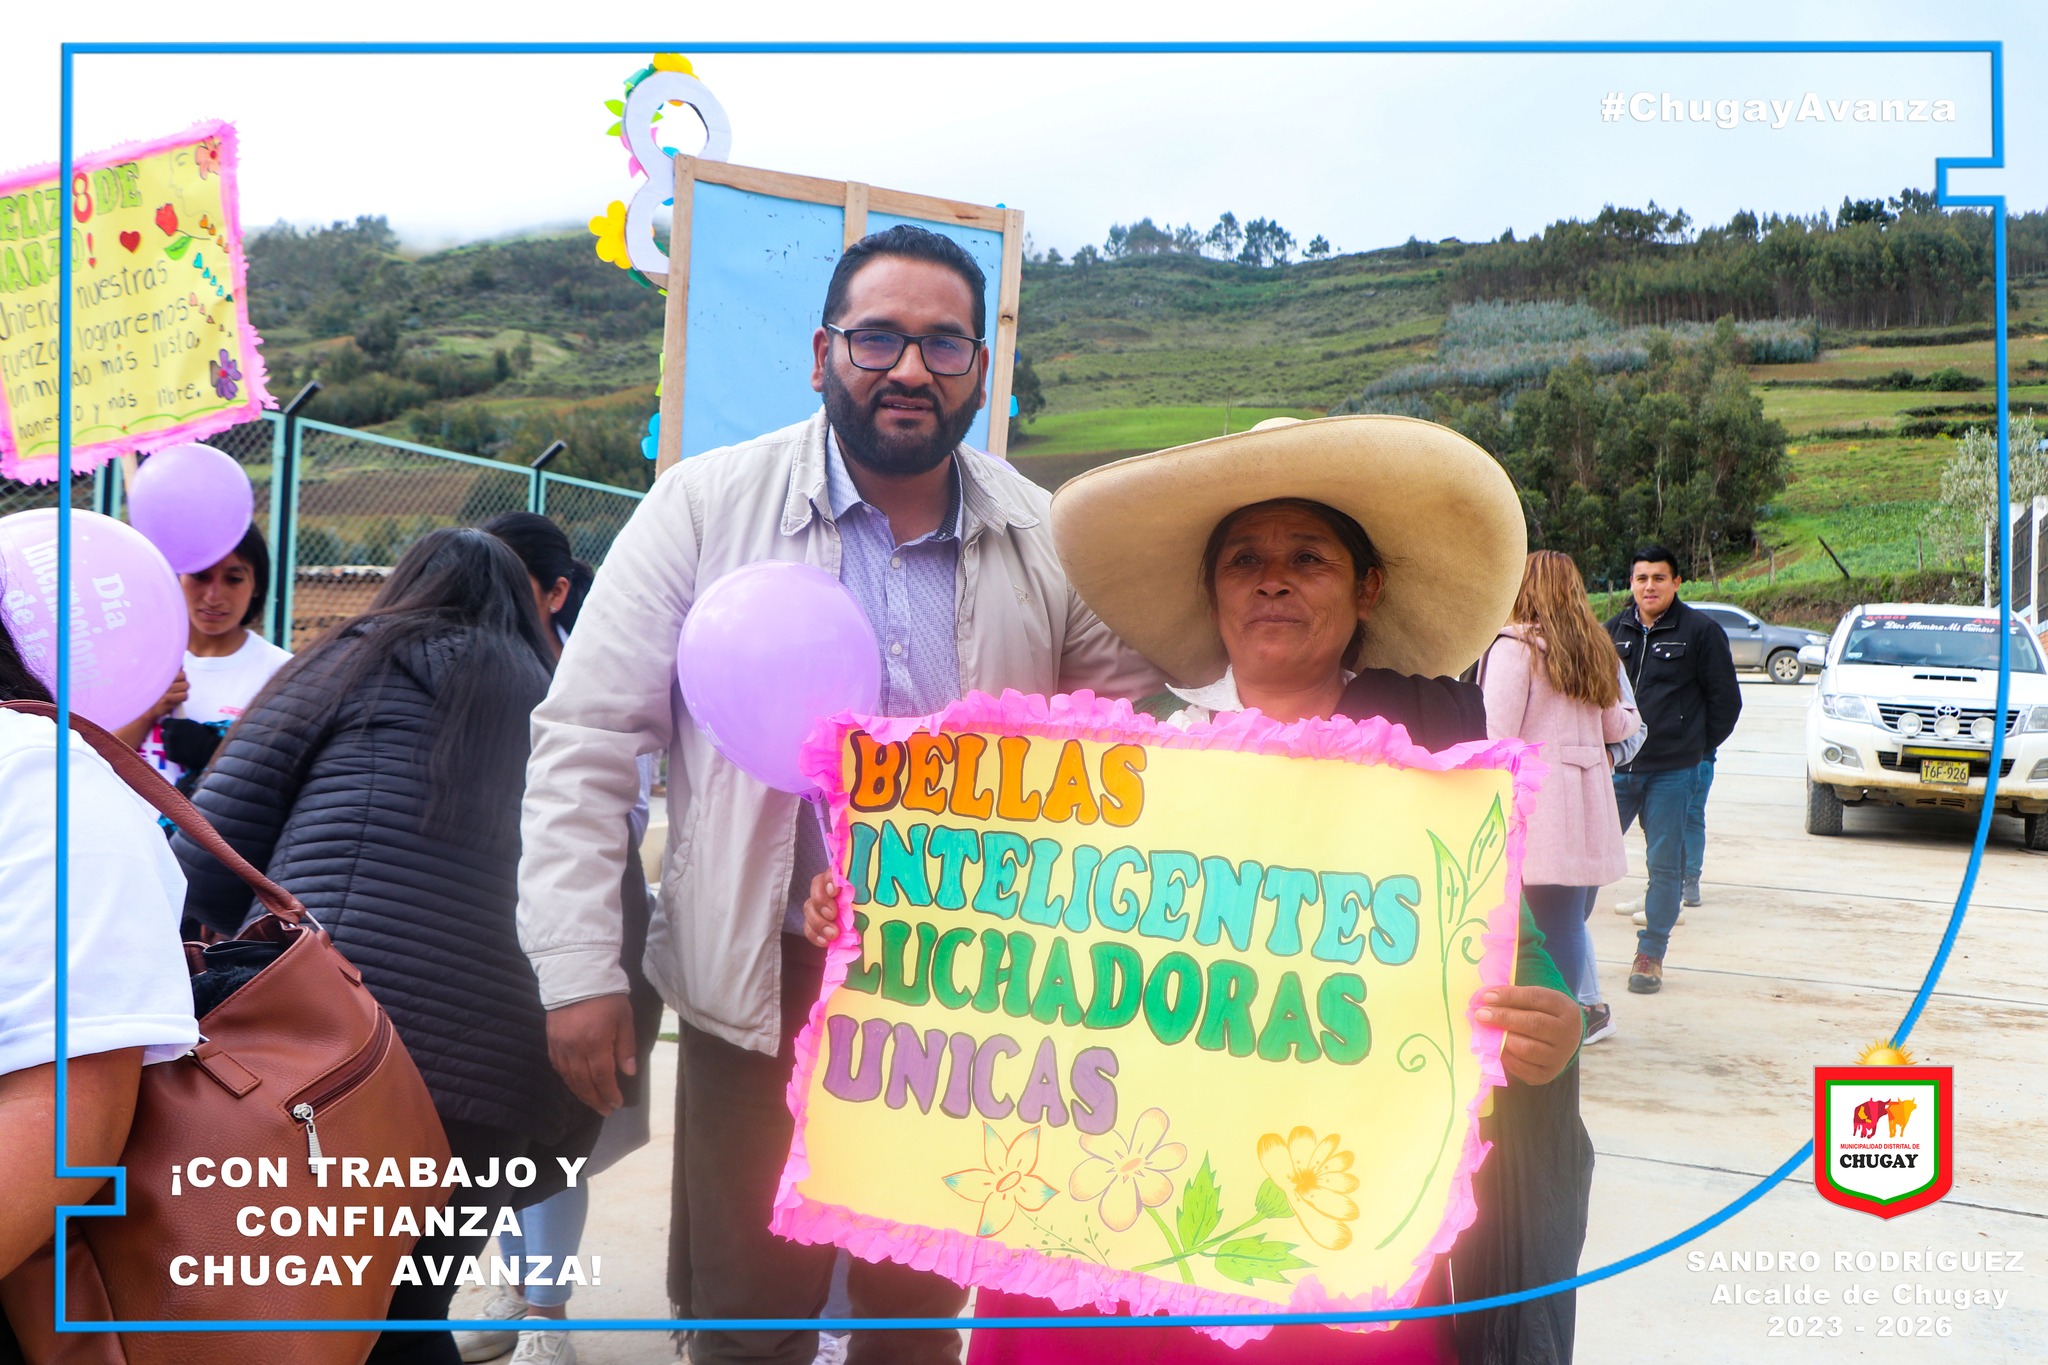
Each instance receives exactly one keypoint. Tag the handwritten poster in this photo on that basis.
(162, 350)
(1136, 1015)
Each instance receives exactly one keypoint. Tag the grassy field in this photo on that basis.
(1057, 447)
(1182, 332)
(1869, 362)
(1808, 410)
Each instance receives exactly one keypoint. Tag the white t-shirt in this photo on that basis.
(128, 982)
(220, 690)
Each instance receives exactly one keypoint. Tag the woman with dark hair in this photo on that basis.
(554, 1227)
(560, 579)
(378, 779)
(226, 664)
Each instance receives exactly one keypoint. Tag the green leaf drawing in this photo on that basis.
(616, 106)
(1246, 1259)
(613, 131)
(178, 248)
(1487, 845)
(1272, 1201)
(1201, 1207)
(1450, 883)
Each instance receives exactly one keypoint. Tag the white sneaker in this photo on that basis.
(1641, 918)
(503, 1305)
(831, 1349)
(548, 1346)
(1628, 907)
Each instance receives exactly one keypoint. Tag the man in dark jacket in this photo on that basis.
(1684, 678)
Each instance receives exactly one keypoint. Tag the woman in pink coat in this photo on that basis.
(1552, 678)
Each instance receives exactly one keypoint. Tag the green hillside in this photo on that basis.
(499, 347)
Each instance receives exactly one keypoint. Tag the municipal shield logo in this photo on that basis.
(1881, 1136)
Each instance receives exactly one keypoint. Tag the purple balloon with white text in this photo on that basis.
(193, 502)
(127, 617)
(766, 653)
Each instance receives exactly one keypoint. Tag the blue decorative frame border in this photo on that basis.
(69, 52)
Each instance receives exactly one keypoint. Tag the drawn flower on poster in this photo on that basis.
(226, 375)
(1126, 1174)
(1459, 928)
(206, 156)
(1316, 1177)
(1006, 1182)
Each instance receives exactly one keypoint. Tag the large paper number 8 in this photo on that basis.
(649, 95)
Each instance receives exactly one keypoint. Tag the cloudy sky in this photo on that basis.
(1365, 149)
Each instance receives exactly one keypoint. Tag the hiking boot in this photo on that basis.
(550, 1346)
(1645, 975)
(1641, 918)
(1599, 1022)
(1689, 894)
(502, 1305)
(1629, 906)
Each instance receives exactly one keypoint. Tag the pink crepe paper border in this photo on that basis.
(255, 378)
(1069, 1283)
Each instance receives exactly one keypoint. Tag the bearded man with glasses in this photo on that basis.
(949, 552)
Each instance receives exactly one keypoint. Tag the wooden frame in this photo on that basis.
(857, 200)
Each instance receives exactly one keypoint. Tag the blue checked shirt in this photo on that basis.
(910, 593)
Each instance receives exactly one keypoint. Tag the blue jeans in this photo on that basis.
(1696, 820)
(552, 1228)
(1661, 801)
(1560, 912)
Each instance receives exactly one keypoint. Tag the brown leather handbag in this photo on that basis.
(298, 1063)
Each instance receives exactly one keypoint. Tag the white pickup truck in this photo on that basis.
(1905, 714)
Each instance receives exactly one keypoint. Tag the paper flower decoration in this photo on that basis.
(650, 444)
(1006, 1182)
(673, 61)
(225, 374)
(1317, 1179)
(1127, 1173)
(610, 230)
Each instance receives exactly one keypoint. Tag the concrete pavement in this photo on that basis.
(1805, 951)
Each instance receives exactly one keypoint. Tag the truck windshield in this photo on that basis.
(1918, 641)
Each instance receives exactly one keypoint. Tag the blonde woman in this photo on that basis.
(1551, 677)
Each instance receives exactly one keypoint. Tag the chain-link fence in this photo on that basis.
(592, 514)
(23, 497)
(355, 503)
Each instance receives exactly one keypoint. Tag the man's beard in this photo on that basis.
(860, 434)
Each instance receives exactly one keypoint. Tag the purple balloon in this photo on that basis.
(128, 625)
(193, 502)
(766, 653)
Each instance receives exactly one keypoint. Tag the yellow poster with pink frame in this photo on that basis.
(162, 351)
(1128, 1015)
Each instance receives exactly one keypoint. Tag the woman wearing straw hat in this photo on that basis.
(1347, 566)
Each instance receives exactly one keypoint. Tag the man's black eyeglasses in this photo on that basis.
(874, 348)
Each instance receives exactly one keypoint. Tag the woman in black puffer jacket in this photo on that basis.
(378, 778)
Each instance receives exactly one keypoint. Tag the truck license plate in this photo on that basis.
(1946, 770)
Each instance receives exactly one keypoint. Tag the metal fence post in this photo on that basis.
(537, 496)
(284, 506)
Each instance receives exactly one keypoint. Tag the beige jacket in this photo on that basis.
(714, 948)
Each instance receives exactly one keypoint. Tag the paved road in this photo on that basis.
(1806, 950)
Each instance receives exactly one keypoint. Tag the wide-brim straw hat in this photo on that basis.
(1441, 512)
